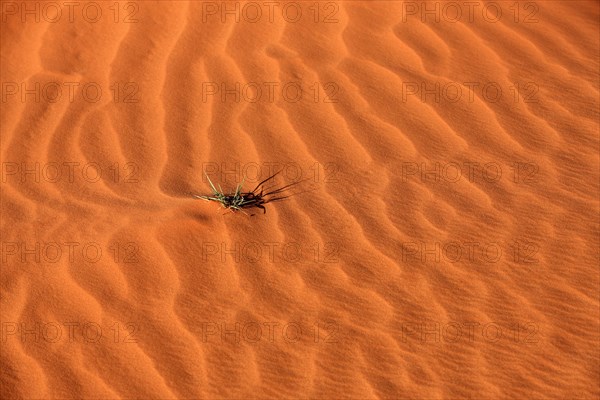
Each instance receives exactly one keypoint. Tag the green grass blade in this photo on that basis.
(211, 184)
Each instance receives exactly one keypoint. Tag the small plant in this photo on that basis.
(239, 200)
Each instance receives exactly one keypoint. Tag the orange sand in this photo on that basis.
(448, 248)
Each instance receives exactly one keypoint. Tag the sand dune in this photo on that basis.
(445, 245)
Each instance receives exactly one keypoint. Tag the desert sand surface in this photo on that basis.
(442, 241)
